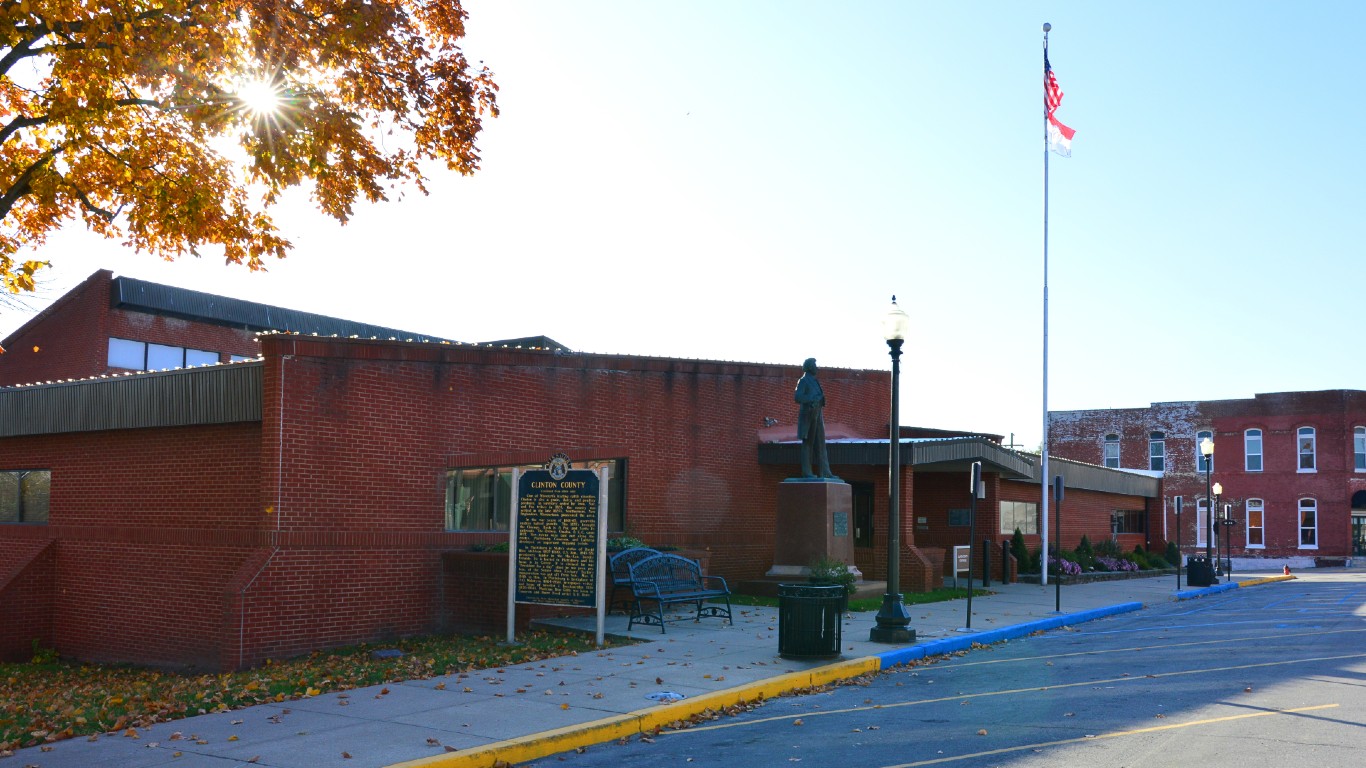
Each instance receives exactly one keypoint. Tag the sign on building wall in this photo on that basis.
(558, 541)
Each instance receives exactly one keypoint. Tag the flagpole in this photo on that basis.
(1044, 480)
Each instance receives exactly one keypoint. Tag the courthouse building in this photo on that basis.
(276, 491)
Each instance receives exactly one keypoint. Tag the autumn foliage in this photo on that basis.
(134, 117)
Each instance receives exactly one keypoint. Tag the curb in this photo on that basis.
(1188, 594)
(546, 743)
(955, 644)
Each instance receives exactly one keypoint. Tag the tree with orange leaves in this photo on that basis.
(175, 125)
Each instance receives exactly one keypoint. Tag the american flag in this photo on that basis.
(1059, 135)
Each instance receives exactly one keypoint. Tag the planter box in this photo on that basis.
(1087, 578)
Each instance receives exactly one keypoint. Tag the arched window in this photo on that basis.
(1256, 524)
(1202, 463)
(1307, 449)
(1157, 451)
(1309, 524)
(1252, 450)
(1111, 455)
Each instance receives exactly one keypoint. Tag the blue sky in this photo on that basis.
(753, 180)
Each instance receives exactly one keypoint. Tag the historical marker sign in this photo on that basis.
(557, 538)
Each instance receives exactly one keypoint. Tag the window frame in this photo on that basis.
(1201, 521)
(1311, 505)
(1200, 458)
(1359, 449)
(1110, 439)
(166, 349)
(1254, 507)
(1313, 453)
(1157, 451)
(26, 509)
(1247, 450)
(616, 493)
(1030, 512)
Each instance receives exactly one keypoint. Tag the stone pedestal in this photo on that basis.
(815, 521)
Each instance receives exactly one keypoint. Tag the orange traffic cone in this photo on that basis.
(1285, 569)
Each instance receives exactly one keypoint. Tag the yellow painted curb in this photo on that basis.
(1267, 580)
(538, 745)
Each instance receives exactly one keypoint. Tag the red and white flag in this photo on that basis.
(1059, 135)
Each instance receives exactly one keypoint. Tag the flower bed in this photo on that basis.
(1087, 578)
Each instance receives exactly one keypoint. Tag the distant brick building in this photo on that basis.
(329, 490)
(1292, 466)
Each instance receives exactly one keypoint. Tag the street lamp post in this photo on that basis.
(893, 620)
(1207, 450)
(1218, 489)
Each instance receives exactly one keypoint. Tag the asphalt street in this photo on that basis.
(1269, 676)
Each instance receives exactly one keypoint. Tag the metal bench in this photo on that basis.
(663, 580)
(619, 565)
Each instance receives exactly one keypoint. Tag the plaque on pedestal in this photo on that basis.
(813, 524)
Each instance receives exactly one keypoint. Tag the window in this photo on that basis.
(1306, 449)
(1157, 451)
(1126, 521)
(142, 356)
(1201, 522)
(1309, 524)
(962, 518)
(1256, 524)
(1252, 450)
(1203, 464)
(1111, 455)
(24, 495)
(1359, 448)
(480, 498)
(1019, 514)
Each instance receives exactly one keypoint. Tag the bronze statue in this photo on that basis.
(811, 422)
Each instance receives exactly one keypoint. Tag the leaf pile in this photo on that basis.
(45, 702)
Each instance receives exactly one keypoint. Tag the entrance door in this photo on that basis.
(863, 514)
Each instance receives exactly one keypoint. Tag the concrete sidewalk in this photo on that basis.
(524, 712)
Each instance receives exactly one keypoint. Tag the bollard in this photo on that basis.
(1285, 569)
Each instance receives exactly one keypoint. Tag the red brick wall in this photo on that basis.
(1333, 414)
(147, 525)
(26, 592)
(70, 339)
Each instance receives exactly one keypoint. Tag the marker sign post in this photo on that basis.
(558, 541)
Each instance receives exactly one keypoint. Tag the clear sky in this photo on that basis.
(753, 181)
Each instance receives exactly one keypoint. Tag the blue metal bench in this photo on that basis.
(663, 580)
(619, 565)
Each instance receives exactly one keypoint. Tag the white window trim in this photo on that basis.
(1200, 457)
(1357, 431)
(1299, 523)
(1161, 444)
(1247, 525)
(1261, 450)
(1105, 443)
(1201, 522)
(1315, 453)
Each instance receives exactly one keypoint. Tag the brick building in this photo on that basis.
(1292, 466)
(329, 490)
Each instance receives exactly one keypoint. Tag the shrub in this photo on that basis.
(1108, 548)
(1066, 566)
(1021, 552)
(624, 542)
(1157, 563)
(1085, 555)
(835, 572)
(1172, 554)
(1105, 563)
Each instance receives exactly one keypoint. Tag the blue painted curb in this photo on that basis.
(1187, 594)
(954, 644)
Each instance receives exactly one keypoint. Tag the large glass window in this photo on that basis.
(1112, 451)
(1309, 524)
(142, 356)
(1203, 463)
(1127, 521)
(1252, 450)
(1307, 450)
(24, 495)
(1157, 451)
(1359, 448)
(480, 498)
(1256, 524)
(1019, 514)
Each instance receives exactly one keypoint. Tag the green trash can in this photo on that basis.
(809, 621)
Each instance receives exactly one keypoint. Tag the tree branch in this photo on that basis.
(21, 185)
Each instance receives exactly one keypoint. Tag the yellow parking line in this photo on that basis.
(1112, 735)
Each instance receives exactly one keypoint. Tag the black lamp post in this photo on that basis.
(1214, 525)
(1207, 450)
(893, 620)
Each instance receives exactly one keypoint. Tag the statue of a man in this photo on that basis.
(811, 422)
